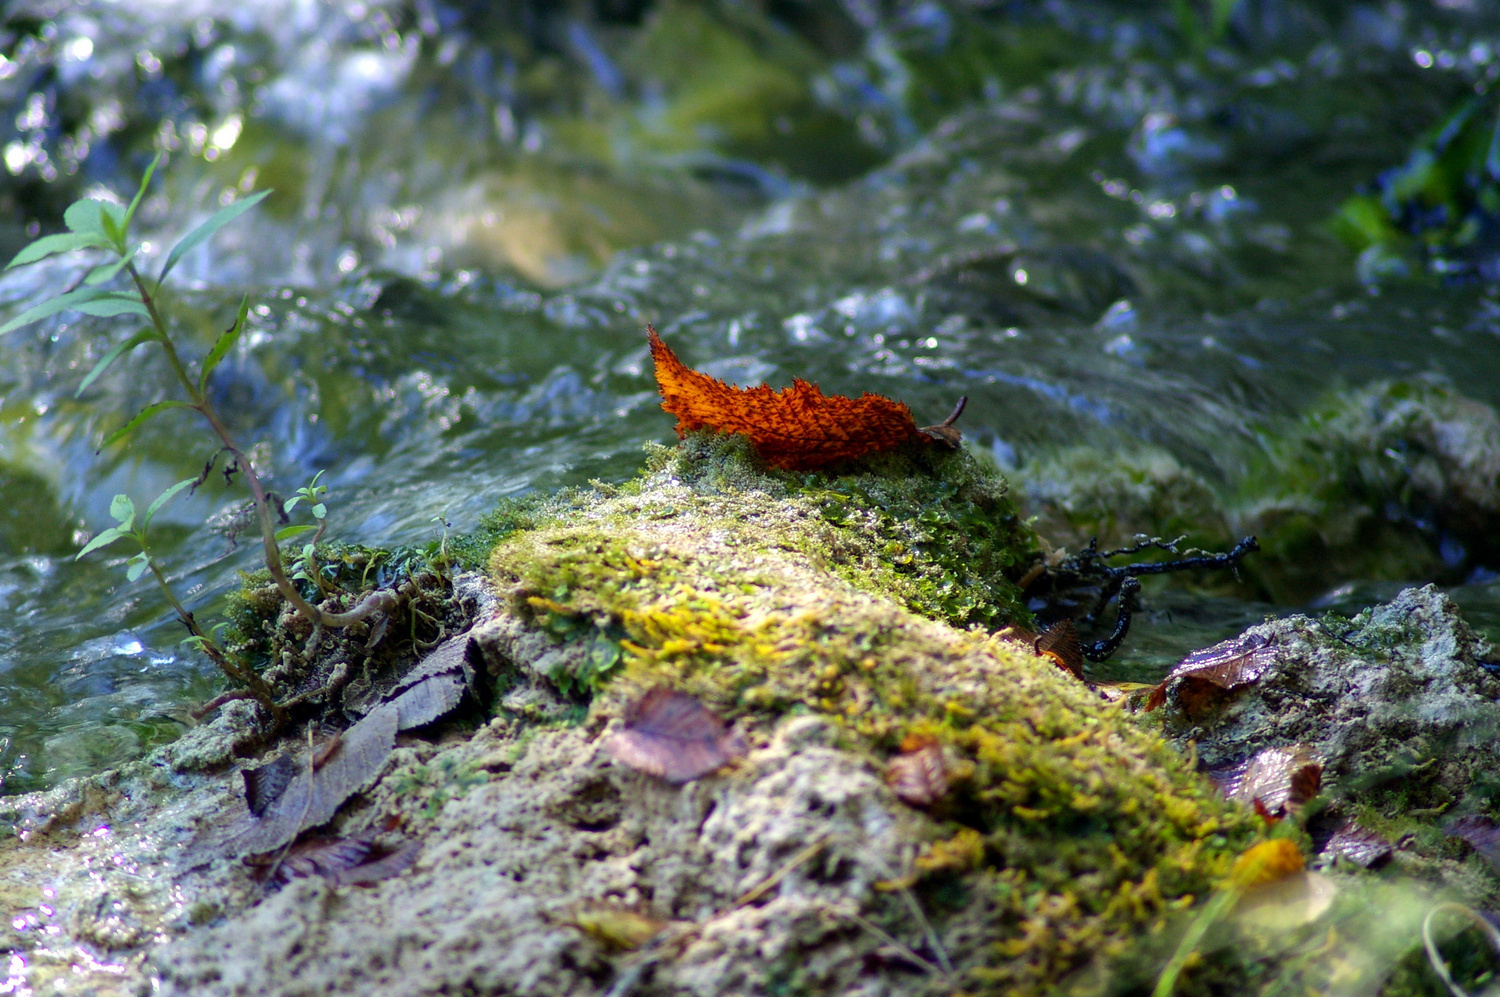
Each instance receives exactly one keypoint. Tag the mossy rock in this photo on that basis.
(1068, 833)
(1394, 480)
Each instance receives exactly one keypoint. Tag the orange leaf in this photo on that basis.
(1266, 862)
(797, 428)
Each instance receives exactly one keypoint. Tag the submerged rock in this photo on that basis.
(1394, 480)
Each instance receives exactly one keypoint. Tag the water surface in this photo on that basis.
(1102, 234)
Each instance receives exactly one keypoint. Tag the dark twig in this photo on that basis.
(1099, 650)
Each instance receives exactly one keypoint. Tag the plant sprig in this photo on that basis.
(104, 226)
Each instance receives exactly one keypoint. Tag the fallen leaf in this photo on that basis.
(1277, 780)
(343, 861)
(430, 689)
(429, 699)
(672, 736)
(1265, 863)
(616, 926)
(313, 796)
(919, 775)
(265, 784)
(1481, 833)
(1059, 643)
(797, 428)
(1224, 666)
(1360, 845)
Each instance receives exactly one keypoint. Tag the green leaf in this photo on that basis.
(135, 202)
(319, 511)
(137, 566)
(104, 539)
(287, 532)
(123, 510)
(87, 217)
(111, 225)
(224, 343)
(107, 271)
(163, 498)
(141, 417)
(144, 336)
(63, 242)
(291, 503)
(220, 218)
(113, 303)
(63, 302)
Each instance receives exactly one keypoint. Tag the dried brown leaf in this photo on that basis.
(343, 861)
(672, 736)
(265, 784)
(919, 775)
(313, 796)
(1222, 667)
(429, 699)
(797, 428)
(1277, 779)
(1059, 643)
(430, 689)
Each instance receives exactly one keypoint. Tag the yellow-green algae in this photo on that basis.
(1069, 834)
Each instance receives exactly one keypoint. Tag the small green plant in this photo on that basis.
(116, 287)
(1202, 24)
(434, 784)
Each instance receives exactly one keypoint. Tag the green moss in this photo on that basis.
(1067, 831)
(1085, 492)
(946, 537)
(308, 665)
(470, 551)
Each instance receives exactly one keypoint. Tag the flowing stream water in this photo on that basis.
(1110, 233)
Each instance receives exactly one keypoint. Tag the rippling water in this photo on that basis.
(1116, 245)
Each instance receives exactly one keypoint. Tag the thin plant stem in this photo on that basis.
(198, 401)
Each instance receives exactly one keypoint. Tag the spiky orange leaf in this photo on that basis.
(797, 428)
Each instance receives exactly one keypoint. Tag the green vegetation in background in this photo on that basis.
(1441, 208)
(1203, 23)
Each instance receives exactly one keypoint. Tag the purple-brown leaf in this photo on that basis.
(1360, 845)
(315, 792)
(672, 736)
(1226, 665)
(342, 861)
(264, 785)
(1282, 779)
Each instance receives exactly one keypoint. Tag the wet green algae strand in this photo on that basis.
(1069, 833)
